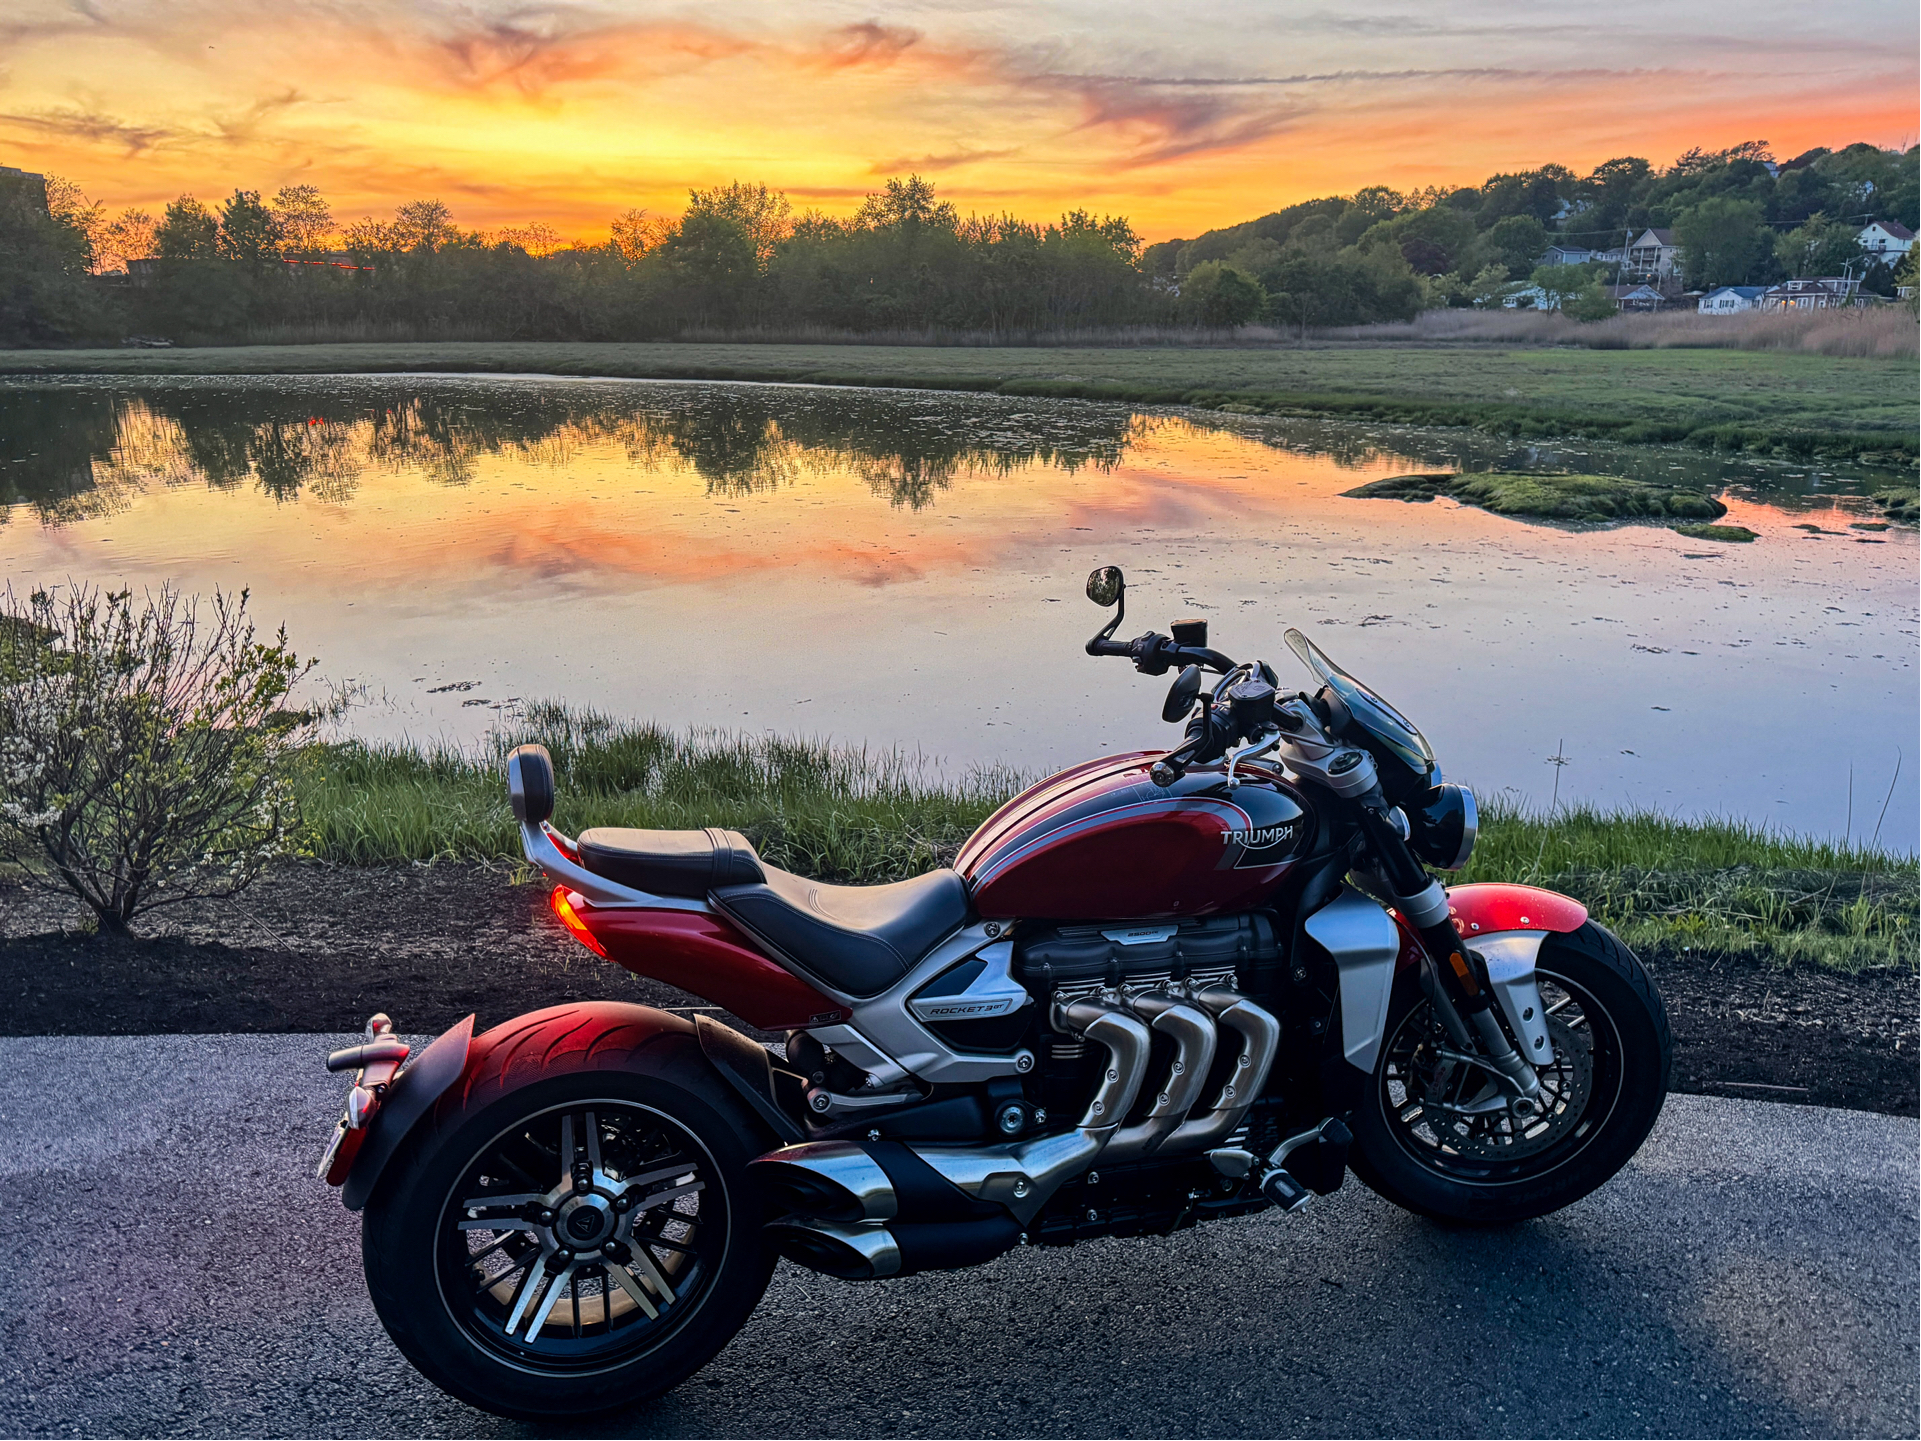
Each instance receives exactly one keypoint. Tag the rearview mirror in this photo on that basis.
(1106, 585)
(1182, 694)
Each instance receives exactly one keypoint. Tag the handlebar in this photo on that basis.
(1156, 654)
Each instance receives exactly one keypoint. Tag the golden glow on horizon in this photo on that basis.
(1179, 119)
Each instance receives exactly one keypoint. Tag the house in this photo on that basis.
(1653, 256)
(1528, 297)
(1731, 299)
(1636, 296)
(1886, 240)
(1566, 255)
(1825, 292)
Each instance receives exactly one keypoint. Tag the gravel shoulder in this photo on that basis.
(319, 947)
(177, 1271)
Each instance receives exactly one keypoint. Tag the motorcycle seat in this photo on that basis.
(858, 940)
(669, 863)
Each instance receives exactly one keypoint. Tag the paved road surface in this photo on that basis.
(172, 1269)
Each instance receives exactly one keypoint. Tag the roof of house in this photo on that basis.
(1661, 237)
(1840, 284)
(1746, 292)
(1893, 227)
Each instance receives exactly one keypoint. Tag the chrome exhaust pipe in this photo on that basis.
(829, 1180)
(834, 1248)
(1022, 1177)
(1194, 1035)
(1260, 1035)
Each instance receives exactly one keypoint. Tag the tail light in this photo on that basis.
(570, 918)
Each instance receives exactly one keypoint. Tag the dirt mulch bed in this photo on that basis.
(319, 948)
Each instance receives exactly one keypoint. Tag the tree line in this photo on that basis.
(739, 258)
(1739, 217)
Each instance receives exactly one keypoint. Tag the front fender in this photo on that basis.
(1498, 906)
(1506, 924)
(410, 1097)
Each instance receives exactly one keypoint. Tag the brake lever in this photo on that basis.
(1262, 746)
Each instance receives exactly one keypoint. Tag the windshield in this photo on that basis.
(1386, 724)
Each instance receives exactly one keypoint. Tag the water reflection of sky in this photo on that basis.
(906, 568)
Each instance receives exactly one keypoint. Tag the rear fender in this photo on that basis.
(743, 1063)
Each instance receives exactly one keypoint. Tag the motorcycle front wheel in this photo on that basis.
(572, 1230)
(1435, 1136)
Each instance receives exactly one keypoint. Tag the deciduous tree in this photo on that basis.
(1723, 242)
(305, 220)
(248, 230)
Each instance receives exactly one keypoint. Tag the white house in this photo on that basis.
(1732, 299)
(1887, 240)
(1816, 293)
(1653, 256)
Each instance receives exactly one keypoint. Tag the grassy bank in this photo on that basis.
(1771, 402)
(853, 815)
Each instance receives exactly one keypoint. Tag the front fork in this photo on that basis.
(1454, 978)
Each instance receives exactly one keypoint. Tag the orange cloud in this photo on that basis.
(572, 112)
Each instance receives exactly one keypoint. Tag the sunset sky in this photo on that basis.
(1179, 116)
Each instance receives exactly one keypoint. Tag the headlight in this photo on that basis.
(1443, 823)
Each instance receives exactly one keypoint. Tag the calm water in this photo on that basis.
(902, 567)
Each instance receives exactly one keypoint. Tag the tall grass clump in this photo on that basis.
(833, 811)
(1882, 332)
(1713, 886)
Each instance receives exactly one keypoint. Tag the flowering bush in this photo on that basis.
(145, 746)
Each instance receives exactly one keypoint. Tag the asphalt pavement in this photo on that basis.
(174, 1269)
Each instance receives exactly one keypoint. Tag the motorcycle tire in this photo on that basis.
(680, 1215)
(1613, 1057)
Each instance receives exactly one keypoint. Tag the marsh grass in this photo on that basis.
(835, 812)
(857, 815)
(1714, 887)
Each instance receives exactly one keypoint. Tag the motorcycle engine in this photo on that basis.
(1079, 959)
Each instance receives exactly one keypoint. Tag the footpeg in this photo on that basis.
(1301, 1167)
(1280, 1187)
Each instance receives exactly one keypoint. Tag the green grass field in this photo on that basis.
(1772, 402)
(851, 815)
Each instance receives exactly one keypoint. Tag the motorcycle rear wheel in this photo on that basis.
(1613, 1057)
(516, 1289)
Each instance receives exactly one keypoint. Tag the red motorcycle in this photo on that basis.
(1154, 990)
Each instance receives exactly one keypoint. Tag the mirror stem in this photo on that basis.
(1106, 632)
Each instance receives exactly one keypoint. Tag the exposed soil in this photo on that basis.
(321, 947)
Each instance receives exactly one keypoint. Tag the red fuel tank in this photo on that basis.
(1102, 842)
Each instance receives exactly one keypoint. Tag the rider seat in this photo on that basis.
(858, 940)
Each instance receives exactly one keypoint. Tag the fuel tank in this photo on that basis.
(1102, 842)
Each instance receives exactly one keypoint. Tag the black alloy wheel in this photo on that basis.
(572, 1229)
(581, 1234)
(1438, 1136)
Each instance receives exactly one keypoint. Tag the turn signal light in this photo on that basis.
(570, 918)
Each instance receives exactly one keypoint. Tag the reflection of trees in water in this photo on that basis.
(90, 451)
(49, 442)
(74, 452)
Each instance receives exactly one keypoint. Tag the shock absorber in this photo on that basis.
(1460, 975)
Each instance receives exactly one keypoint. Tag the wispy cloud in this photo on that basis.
(868, 43)
(920, 164)
(93, 127)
